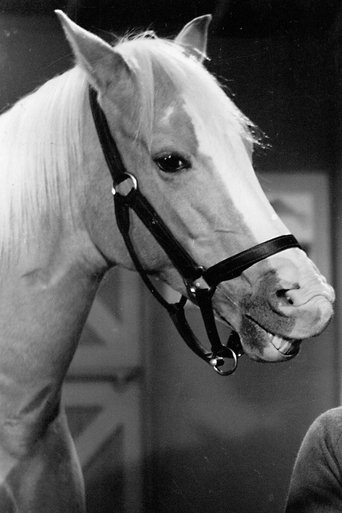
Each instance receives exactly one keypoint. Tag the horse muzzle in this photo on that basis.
(280, 313)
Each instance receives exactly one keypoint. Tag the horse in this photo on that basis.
(186, 153)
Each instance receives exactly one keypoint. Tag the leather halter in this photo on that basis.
(201, 283)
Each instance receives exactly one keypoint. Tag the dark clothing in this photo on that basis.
(316, 482)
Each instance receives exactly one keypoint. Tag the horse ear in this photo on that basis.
(93, 54)
(194, 37)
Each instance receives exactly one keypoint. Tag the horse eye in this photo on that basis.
(172, 163)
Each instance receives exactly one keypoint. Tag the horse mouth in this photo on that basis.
(285, 346)
(271, 344)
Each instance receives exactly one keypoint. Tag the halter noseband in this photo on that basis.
(201, 283)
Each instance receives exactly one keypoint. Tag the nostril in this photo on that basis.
(285, 296)
(289, 300)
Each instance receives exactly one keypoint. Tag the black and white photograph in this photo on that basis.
(170, 256)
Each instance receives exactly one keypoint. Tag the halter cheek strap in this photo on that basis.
(201, 296)
(201, 283)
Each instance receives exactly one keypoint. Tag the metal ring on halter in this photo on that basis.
(216, 365)
(125, 192)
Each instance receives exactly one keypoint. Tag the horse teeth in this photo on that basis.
(281, 344)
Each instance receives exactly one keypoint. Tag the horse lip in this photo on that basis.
(286, 346)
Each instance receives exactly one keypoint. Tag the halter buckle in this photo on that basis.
(199, 286)
(123, 187)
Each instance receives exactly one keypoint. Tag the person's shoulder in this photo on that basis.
(328, 425)
(334, 415)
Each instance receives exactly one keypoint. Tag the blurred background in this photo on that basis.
(156, 430)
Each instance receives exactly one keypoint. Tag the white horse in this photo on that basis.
(190, 150)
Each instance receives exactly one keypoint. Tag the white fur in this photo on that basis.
(41, 136)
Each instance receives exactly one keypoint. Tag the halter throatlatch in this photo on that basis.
(200, 283)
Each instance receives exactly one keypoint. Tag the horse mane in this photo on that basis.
(41, 135)
(40, 141)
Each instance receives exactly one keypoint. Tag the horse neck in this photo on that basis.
(49, 263)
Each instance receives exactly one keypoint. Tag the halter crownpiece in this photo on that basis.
(200, 283)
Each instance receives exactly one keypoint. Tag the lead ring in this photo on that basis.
(234, 367)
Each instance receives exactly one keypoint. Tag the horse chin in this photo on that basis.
(261, 345)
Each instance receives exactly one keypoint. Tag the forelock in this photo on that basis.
(151, 57)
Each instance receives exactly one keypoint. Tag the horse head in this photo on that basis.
(190, 150)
